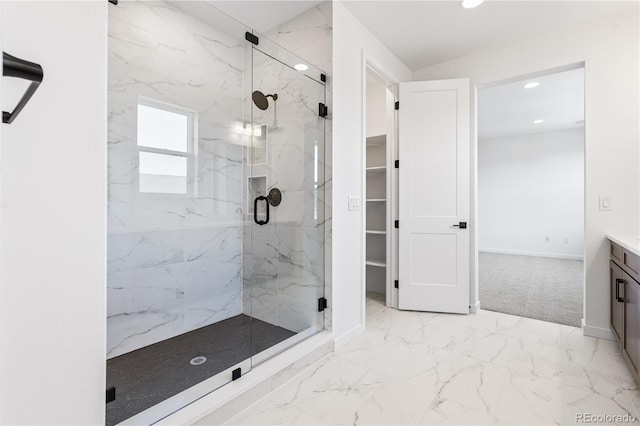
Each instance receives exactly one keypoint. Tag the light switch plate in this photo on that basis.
(354, 202)
(605, 203)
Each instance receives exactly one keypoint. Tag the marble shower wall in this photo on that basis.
(310, 36)
(285, 274)
(290, 257)
(174, 260)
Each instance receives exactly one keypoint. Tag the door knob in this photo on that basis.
(461, 225)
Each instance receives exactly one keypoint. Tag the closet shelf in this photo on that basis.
(376, 262)
(377, 169)
(376, 200)
(377, 140)
(371, 231)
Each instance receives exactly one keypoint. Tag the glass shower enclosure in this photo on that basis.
(216, 204)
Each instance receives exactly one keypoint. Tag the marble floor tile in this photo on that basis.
(453, 413)
(394, 402)
(536, 359)
(266, 412)
(449, 336)
(601, 372)
(581, 401)
(465, 381)
(530, 401)
(331, 389)
(400, 323)
(634, 398)
(394, 357)
(484, 368)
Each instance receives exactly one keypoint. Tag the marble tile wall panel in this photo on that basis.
(294, 239)
(303, 221)
(298, 289)
(133, 330)
(309, 35)
(174, 260)
(200, 285)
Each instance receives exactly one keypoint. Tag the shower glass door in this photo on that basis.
(177, 326)
(284, 257)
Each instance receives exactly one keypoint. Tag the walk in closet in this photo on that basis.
(378, 170)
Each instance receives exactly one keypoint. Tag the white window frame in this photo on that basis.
(192, 144)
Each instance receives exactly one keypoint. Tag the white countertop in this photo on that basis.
(630, 242)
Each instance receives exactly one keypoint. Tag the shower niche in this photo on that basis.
(201, 287)
(257, 188)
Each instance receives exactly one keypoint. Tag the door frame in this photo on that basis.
(392, 209)
(474, 300)
(474, 297)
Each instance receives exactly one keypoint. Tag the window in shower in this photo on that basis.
(166, 135)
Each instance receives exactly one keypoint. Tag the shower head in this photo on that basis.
(260, 99)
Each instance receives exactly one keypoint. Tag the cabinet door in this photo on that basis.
(632, 320)
(616, 252)
(617, 304)
(632, 264)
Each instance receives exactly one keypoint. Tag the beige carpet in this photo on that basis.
(533, 287)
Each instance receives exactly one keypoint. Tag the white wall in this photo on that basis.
(53, 219)
(609, 48)
(530, 187)
(376, 105)
(351, 43)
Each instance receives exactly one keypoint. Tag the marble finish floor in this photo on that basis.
(425, 368)
(149, 375)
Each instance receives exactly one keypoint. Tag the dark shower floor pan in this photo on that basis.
(149, 375)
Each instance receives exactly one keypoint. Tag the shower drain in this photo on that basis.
(198, 360)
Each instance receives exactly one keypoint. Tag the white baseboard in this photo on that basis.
(600, 332)
(532, 253)
(348, 336)
(475, 308)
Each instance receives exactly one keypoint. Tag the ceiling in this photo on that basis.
(510, 109)
(264, 15)
(423, 33)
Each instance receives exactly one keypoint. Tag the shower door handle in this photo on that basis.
(255, 210)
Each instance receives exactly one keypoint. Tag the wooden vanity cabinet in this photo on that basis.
(617, 301)
(625, 304)
(631, 342)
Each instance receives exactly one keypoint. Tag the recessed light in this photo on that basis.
(538, 121)
(470, 4)
(301, 67)
(531, 85)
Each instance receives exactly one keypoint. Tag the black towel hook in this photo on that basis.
(16, 67)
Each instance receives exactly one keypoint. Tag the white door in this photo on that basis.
(433, 142)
